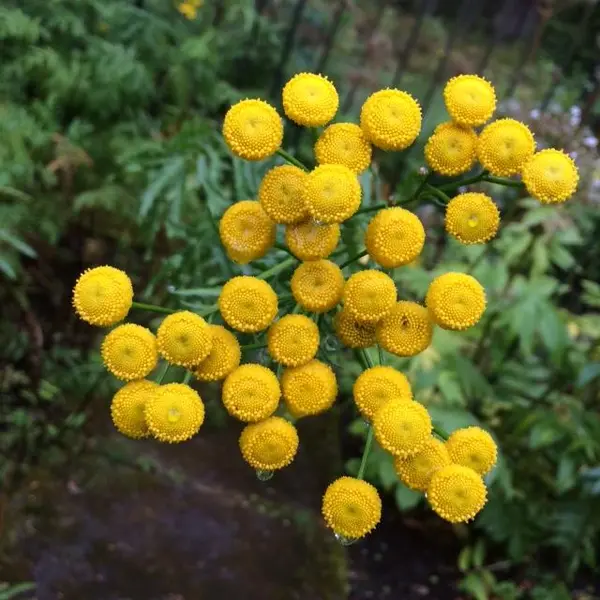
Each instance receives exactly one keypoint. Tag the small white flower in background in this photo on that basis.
(555, 108)
(513, 105)
(463, 189)
(535, 114)
(575, 111)
(573, 155)
(590, 141)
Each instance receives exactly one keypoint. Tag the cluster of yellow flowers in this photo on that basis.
(365, 308)
(189, 8)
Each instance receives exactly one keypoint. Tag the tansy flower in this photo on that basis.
(351, 507)
(406, 330)
(369, 295)
(174, 413)
(184, 339)
(472, 218)
(377, 385)
(127, 408)
(391, 119)
(504, 146)
(129, 352)
(309, 389)
(456, 493)
(416, 471)
(317, 285)
(270, 444)
(293, 340)
(451, 149)
(280, 194)
(188, 10)
(332, 193)
(102, 296)
(455, 301)
(352, 333)
(394, 237)
(550, 176)
(253, 130)
(344, 144)
(251, 393)
(310, 100)
(402, 428)
(224, 357)
(311, 241)
(470, 100)
(248, 304)
(473, 447)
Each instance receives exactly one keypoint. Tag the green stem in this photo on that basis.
(365, 454)
(277, 268)
(437, 193)
(354, 259)
(209, 310)
(291, 159)
(256, 346)
(421, 187)
(441, 433)
(503, 181)
(162, 374)
(284, 249)
(366, 358)
(152, 308)
(380, 354)
(188, 377)
(456, 184)
(368, 209)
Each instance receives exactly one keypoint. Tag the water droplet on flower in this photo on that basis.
(264, 475)
(343, 540)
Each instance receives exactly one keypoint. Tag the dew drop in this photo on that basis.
(343, 540)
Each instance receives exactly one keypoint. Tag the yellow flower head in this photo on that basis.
(416, 471)
(332, 193)
(470, 100)
(248, 304)
(451, 149)
(406, 330)
(504, 146)
(127, 407)
(310, 100)
(103, 296)
(394, 237)
(251, 393)
(369, 295)
(351, 507)
(550, 176)
(391, 119)
(188, 10)
(224, 357)
(317, 285)
(253, 129)
(309, 389)
(280, 194)
(377, 385)
(311, 241)
(344, 144)
(270, 444)
(473, 447)
(293, 340)
(455, 301)
(402, 428)
(174, 413)
(352, 333)
(456, 493)
(184, 339)
(472, 218)
(129, 352)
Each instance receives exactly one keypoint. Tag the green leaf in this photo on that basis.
(464, 558)
(474, 586)
(566, 475)
(588, 374)
(479, 553)
(17, 244)
(7, 268)
(451, 418)
(406, 498)
(16, 589)
(387, 473)
(450, 388)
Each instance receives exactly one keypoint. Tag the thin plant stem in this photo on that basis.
(366, 358)
(162, 374)
(283, 249)
(456, 184)
(188, 377)
(441, 433)
(152, 308)
(503, 181)
(277, 268)
(291, 159)
(365, 454)
(256, 346)
(368, 209)
(209, 310)
(438, 193)
(354, 259)
(421, 187)
(380, 354)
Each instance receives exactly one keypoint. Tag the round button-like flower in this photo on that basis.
(317, 285)
(246, 231)
(406, 330)
(280, 194)
(174, 413)
(311, 241)
(456, 493)
(102, 296)
(310, 100)
(344, 144)
(377, 385)
(293, 340)
(309, 389)
(253, 129)
(224, 357)
(473, 447)
(391, 119)
(416, 471)
(472, 218)
(369, 295)
(550, 176)
(353, 333)
(451, 149)
(402, 428)
(127, 408)
(504, 146)
(129, 352)
(269, 445)
(248, 304)
(455, 301)
(184, 339)
(351, 507)
(394, 237)
(251, 393)
(470, 100)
